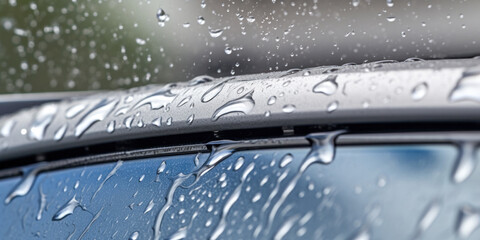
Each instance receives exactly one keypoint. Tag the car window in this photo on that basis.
(367, 192)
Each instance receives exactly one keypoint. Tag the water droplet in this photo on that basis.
(179, 234)
(110, 174)
(243, 105)
(157, 100)
(111, 126)
(186, 25)
(381, 182)
(468, 86)
(428, 217)
(121, 111)
(287, 159)
(239, 163)
(200, 20)
(43, 203)
(363, 234)
(158, 220)
(212, 92)
(60, 132)
(134, 236)
(271, 100)
(285, 227)
(98, 113)
(149, 207)
(140, 124)
(355, 3)
(419, 91)
(184, 101)
(7, 128)
(390, 3)
(25, 184)
(215, 32)
(128, 121)
(190, 119)
(328, 86)
(256, 197)
(160, 169)
(467, 221)
(289, 108)
(157, 122)
(228, 50)
(91, 223)
(322, 151)
(42, 120)
(331, 107)
(162, 17)
(169, 121)
(232, 199)
(66, 210)
(200, 80)
(73, 111)
(140, 41)
(465, 163)
(391, 19)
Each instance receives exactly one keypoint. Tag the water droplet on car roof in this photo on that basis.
(243, 105)
(419, 91)
(42, 120)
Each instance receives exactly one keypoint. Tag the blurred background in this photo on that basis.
(79, 45)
